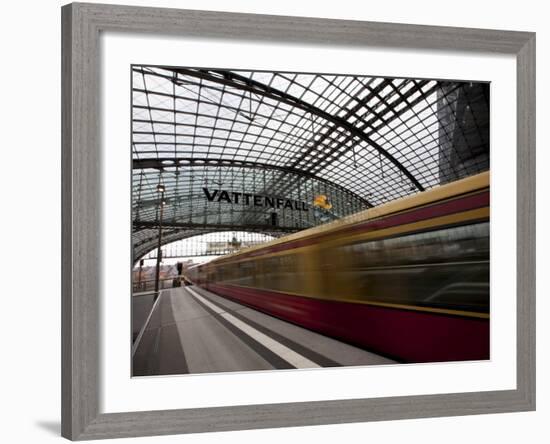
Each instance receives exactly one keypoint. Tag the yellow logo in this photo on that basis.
(321, 201)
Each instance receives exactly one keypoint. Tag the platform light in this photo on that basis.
(161, 189)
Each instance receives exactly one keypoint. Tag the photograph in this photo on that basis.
(302, 220)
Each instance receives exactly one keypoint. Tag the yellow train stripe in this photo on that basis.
(477, 214)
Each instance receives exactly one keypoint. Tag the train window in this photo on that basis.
(278, 273)
(445, 268)
(245, 273)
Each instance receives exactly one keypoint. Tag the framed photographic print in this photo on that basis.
(279, 221)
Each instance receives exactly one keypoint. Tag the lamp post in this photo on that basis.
(141, 261)
(161, 189)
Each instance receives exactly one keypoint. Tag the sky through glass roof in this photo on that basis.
(362, 140)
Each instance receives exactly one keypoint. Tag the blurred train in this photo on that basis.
(408, 279)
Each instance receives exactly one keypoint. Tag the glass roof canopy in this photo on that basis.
(361, 140)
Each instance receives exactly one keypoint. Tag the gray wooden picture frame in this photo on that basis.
(81, 172)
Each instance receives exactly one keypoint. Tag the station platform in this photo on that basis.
(190, 330)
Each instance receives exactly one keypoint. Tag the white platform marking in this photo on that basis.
(139, 336)
(279, 349)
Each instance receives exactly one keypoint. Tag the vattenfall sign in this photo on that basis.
(257, 200)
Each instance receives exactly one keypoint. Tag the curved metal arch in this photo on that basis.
(170, 162)
(234, 80)
(143, 249)
(150, 243)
